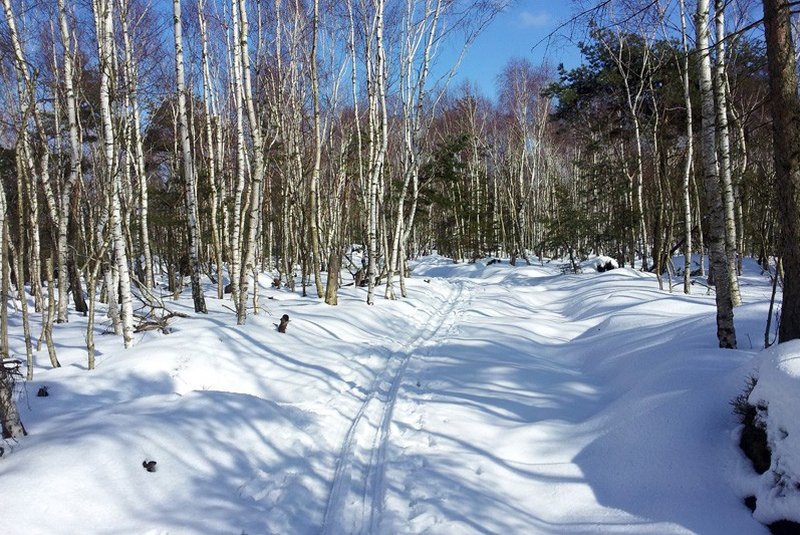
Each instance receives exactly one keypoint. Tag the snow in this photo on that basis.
(777, 491)
(493, 399)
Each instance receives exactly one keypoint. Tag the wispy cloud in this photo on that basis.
(528, 19)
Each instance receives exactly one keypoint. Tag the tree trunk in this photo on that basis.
(208, 106)
(313, 194)
(786, 139)
(188, 166)
(20, 265)
(131, 72)
(724, 146)
(49, 316)
(257, 174)
(726, 333)
(76, 154)
(687, 170)
(10, 423)
(235, 265)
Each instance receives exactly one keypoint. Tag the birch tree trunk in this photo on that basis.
(724, 147)
(687, 170)
(235, 266)
(38, 173)
(76, 155)
(413, 75)
(208, 108)
(257, 178)
(104, 25)
(131, 72)
(188, 165)
(635, 100)
(726, 333)
(17, 254)
(316, 253)
(378, 136)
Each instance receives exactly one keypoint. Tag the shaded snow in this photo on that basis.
(494, 399)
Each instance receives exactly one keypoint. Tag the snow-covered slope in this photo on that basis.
(494, 399)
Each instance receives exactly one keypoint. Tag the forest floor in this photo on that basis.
(493, 399)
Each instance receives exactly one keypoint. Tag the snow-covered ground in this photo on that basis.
(494, 399)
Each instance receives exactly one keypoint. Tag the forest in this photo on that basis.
(147, 146)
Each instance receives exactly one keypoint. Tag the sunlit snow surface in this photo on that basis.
(493, 399)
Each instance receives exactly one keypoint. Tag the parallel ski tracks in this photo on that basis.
(355, 502)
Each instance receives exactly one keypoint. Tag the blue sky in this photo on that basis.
(515, 33)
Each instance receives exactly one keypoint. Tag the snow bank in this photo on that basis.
(778, 388)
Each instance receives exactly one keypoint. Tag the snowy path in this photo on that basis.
(493, 399)
(357, 493)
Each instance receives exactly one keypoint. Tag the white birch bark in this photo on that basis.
(413, 75)
(635, 100)
(235, 267)
(715, 239)
(378, 136)
(724, 147)
(76, 155)
(316, 253)
(210, 115)
(687, 170)
(131, 72)
(188, 164)
(20, 264)
(38, 173)
(104, 24)
(257, 174)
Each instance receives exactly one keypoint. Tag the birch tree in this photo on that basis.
(724, 145)
(726, 333)
(190, 186)
(377, 134)
(104, 28)
(688, 165)
(313, 194)
(76, 156)
(210, 115)
(37, 171)
(131, 76)
(634, 82)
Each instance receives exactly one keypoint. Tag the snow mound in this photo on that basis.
(778, 388)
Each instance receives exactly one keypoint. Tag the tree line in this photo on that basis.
(309, 138)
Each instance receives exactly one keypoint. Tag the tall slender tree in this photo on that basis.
(104, 28)
(189, 182)
(786, 150)
(726, 332)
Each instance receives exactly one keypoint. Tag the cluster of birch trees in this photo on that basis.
(671, 130)
(658, 144)
(146, 143)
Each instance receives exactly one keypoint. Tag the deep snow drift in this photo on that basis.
(494, 399)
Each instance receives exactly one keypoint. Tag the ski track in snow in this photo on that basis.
(355, 503)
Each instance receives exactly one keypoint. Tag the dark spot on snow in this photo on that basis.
(150, 466)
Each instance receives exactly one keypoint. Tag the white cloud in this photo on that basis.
(528, 19)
